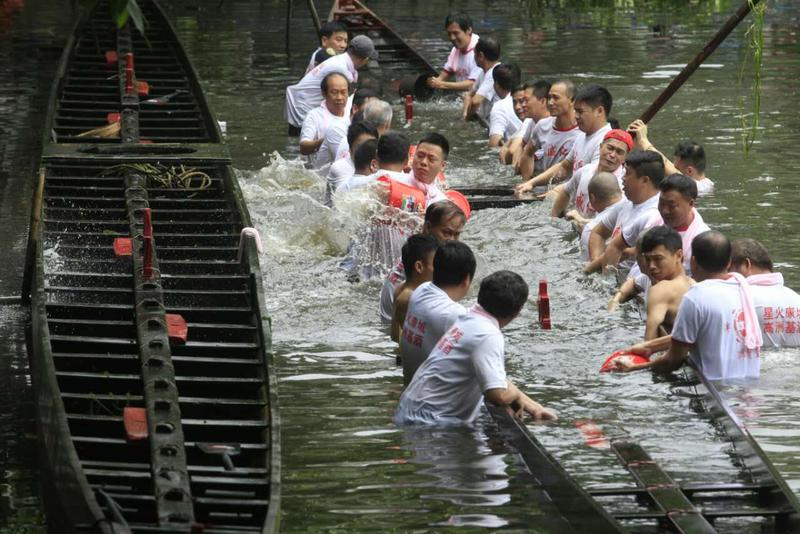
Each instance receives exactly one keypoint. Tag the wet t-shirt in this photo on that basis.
(503, 121)
(578, 187)
(430, 313)
(554, 144)
(306, 94)
(316, 125)
(778, 309)
(586, 148)
(461, 65)
(448, 387)
(711, 319)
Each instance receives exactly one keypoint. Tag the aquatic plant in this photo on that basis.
(754, 37)
(121, 11)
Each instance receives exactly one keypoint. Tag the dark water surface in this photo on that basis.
(346, 466)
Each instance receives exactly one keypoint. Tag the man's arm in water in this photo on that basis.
(399, 314)
(309, 146)
(597, 240)
(512, 395)
(626, 292)
(560, 200)
(563, 167)
(610, 256)
(671, 361)
(440, 82)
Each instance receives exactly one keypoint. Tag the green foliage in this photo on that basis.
(121, 11)
(755, 55)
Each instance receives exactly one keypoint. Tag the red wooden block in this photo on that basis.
(177, 329)
(544, 306)
(111, 57)
(123, 247)
(135, 420)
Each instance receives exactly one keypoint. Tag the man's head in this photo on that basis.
(417, 255)
(711, 255)
(358, 132)
(561, 99)
(661, 252)
(613, 150)
(506, 77)
(430, 158)
(603, 191)
(444, 220)
(454, 268)
(361, 50)
(520, 98)
(360, 98)
(333, 35)
(335, 90)
(487, 52)
(676, 203)
(378, 113)
(459, 30)
(392, 151)
(749, 257)
(644, 170)
(503, 294)
(690, 159)
(536, 94)
(364, 157)
(592, 107)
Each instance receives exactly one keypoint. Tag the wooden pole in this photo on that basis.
(33, 238)
(314, 16)
(288, 25)
(687, 71)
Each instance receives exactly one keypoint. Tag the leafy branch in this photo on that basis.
(121, 11)
(754, 37)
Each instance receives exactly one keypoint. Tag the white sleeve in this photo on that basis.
(641, 224)
(309, 130)
(476, 75)
(571, 185)
(489, 365)
(497, 121)
(608, 218)
(487, 87)
(687, 323)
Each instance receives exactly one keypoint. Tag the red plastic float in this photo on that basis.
(610, 364)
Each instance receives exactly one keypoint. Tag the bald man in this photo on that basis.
(604, 194)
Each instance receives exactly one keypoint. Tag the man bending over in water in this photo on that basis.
(662, 257)
(467, 365)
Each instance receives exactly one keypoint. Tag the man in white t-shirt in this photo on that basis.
(531, 108)
(487, 57)
(644, 171)
(335, 90)
(717, 324)
(468, 364)
(460, 64)
(342, 170)
(613, 150)
(305, 95)
(689, 158)
(552, 138)
(592, 106)
(443, 220)
(778, 307)
(338, 131)
(332, 38)
(604, 194)
(365, 164)
(503, 120)
(433, 306)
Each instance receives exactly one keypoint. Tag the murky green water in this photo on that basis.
(346, 466)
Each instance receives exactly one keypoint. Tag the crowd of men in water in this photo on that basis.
(704, 297)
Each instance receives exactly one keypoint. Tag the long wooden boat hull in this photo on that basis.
(152, 366)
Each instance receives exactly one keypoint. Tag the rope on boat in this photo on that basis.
(169, 177)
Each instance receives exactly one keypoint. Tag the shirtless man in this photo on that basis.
(592, 106)
(716, 325)
(778, 307)
(662, 257)
(689, 158)
(417, 256)
(460, 65)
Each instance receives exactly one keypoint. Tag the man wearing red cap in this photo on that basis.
(615, 146)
